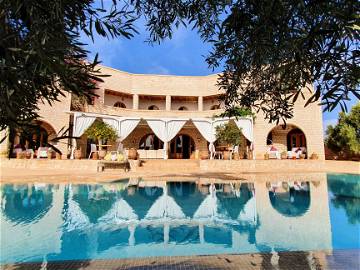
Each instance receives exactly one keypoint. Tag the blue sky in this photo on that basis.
(184, 54)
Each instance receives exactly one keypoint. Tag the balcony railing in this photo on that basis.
(110, 110)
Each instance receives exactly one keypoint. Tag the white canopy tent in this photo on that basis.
(165, 207)
(208, 209)
(120, 212)
(249, 213)
(164, 128)
(75, 217)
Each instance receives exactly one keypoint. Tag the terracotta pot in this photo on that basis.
(77, 154)
(236, 156)
(58, 156)
(132, 153)
(226, 155)
(266, 156)
(204, 154)
(95, 156)
(20, 155)
(302, 156)
(102, 154)
(314, 156)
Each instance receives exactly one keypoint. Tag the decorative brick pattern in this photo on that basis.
(298, 260)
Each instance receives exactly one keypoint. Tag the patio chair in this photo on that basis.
(212, 150)
(93, 149)
(274, 153)
(42, 152)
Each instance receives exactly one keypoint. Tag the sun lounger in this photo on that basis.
(113, 164)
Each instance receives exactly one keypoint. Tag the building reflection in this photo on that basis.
(138, 217)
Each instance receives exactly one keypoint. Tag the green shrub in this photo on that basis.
(101, 131)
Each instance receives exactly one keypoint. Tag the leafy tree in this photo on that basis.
(228, 133)
(101, 131)
(270, 49)
(344, 138)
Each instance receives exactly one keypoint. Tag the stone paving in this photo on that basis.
(299, 260)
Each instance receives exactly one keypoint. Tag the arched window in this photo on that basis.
(119, 104)
(153, 107)
(150, 142)
(183, 108)
(215, 107)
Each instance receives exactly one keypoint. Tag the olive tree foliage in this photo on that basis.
(41, 56)
(269, 50)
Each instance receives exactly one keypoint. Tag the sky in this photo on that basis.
(184, 54)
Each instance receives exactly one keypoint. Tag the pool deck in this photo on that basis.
(84, 171)
(299, 260)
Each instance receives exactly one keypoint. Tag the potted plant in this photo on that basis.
(283, 155)
(101, 131)
(230, 135)
(314, 156)
(77, 153)
(49, 153)
(266, 156)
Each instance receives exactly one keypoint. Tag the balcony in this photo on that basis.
(110, 110)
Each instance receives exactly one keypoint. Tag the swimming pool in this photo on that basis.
(138, 218)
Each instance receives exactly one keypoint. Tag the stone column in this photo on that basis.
(200, 103)
(168, 103)
(135, 101)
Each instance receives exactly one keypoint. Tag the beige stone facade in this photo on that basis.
(139, 95)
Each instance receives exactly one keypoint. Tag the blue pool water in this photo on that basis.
(137, 218)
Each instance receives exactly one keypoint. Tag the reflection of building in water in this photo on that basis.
(30, 218)
(153, 218)
(296, 215)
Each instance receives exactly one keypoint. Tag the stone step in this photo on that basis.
(169, 165)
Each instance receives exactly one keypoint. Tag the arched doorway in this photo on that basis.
(181, 147)
(34, 136)
(150, 142)
(295, 138)
(289, 138)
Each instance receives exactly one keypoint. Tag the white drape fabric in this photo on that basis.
(122, 125)
(166, 130)
(246, 127)
(207, 129)
(81, 123)
(126, 127)
(158, 126)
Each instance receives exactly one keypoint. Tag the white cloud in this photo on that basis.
(108, 49)
(158, 69)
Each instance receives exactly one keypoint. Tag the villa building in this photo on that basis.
(166, 116)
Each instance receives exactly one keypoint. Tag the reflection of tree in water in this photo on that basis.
(346, 191)
(351, 207)
(26, 203)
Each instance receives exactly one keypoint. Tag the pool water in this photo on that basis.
(137, 218)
